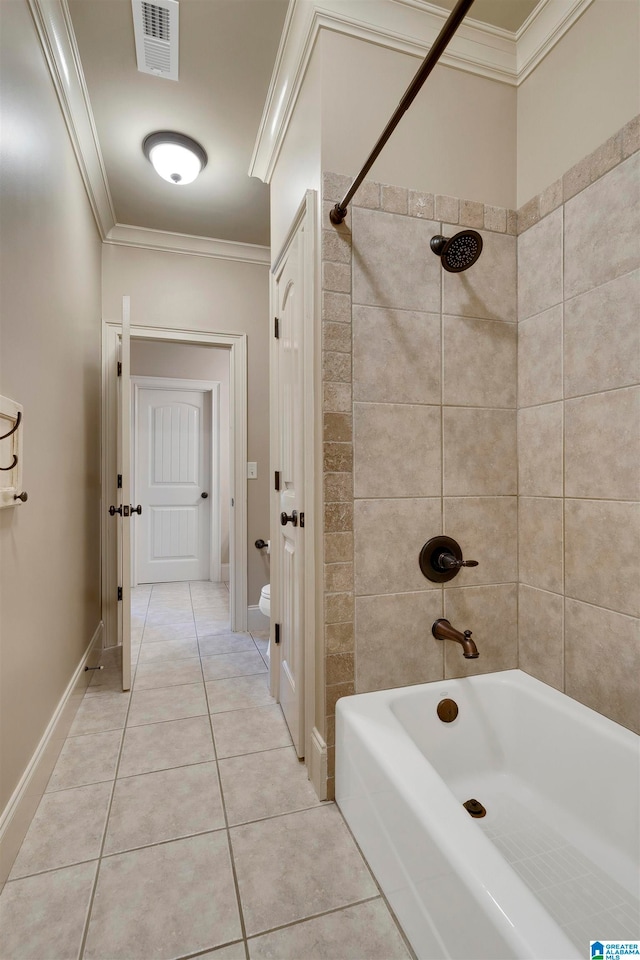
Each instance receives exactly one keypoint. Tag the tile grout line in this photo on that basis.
(243, 929)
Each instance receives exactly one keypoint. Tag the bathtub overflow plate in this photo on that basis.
(447, 710)
(475, 808)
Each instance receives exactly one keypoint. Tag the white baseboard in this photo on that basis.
(318, 764)
(256, 620)
(18, 813)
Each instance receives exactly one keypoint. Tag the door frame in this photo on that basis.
(237, 344)
(211, 387)
(313, 639)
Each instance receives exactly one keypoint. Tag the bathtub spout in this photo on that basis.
(442, 630)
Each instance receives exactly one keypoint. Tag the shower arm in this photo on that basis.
(457, 15)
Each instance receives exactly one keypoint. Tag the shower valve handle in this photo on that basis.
(447, 561)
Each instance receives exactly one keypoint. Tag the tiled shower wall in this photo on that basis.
(423, 372)
(419, 370)
(579, 431)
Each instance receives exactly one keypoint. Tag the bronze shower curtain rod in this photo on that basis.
(454, 20)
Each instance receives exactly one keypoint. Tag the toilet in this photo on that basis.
(264, 603)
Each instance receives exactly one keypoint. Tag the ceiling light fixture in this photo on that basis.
(175, 157)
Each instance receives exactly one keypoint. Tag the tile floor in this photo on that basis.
(178, 821)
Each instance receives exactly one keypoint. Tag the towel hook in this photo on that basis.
(4, 437)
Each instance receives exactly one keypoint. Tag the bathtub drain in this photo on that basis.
(475, 808)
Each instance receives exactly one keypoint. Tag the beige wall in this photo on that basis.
(185, 361)
(217, 296)
(298, 166)
(458, 137)
(50, 362)
(579, 95)
(579, 441)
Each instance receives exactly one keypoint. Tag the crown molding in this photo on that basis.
(125, 235)
(53, 24)
(406, 26)
(542, 29)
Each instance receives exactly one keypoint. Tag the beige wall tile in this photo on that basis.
(394, 199)
(602, 559)
(338, 457)
(336, 306)
(338, 577)
(336, 367)
(491, 614)
(631, 137)
(472, 214)
(367, 195)
(495, 219)
(479, 362)
(551, 198)
(338, 517)
(447, 208)
(602, 337)
(338, 608)
(336, 336)
(393, 265)
(338, 426)
(602, 661)
(528, 214)
(396, 356)
(609, 208)
(421, 205)
(606, 156)
(602, 445)
(540, 266)
(338, 486)
(487, 290)
(576, 178)
(479, 452)
(338, 547)
(394, 645)
(389, 535)
(339, 638)
(334, 186)
(540, 542)
(336, 277)
(336, 397)
(540, 451)
(541, 635)
(334, 693)
(487, 530)
(397, 450)
(540, 358)
(336, 246)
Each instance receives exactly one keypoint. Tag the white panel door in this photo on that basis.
(123, 511)
(289, 304)
(173, 484)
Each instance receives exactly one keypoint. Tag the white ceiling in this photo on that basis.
(227, 55)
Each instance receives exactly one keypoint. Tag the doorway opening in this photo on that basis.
(158, 352)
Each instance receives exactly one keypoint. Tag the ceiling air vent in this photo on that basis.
(156, 31)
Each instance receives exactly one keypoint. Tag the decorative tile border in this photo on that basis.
(415, 203)
(608, 155)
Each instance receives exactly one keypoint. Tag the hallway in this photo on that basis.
(178, 818)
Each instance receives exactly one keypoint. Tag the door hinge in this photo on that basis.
(119, 593)
(277, 480)
(276, 638)
(119, 481)
(301, 519)
(276, 328)
(119, 368)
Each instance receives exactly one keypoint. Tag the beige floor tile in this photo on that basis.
(232, 665)
(365, 930)
(294, 866)
(265, 784)
(167, 673)
(168, 650)
(160, 746)
(66, 829)
(97, 714)
(235, 951)
(170, 900)
(167, 703)
(212, 626)
(249, 731)
(238, 693)
(87, 759)
(211, 646)
(43, 917)
(166, 805)
(171, 631)
(160, 616)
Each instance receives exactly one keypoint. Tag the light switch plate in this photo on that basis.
(252, 471)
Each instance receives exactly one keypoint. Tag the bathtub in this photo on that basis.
(552, 865)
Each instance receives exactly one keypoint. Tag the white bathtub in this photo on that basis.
(553, 865)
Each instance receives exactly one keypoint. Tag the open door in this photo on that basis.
(123, 510)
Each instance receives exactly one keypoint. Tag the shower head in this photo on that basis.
(458, 253)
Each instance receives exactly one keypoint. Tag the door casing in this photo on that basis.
(237, 344)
